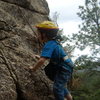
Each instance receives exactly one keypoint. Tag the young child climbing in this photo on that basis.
(53, 51)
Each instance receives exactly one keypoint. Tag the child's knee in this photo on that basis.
(69, 97)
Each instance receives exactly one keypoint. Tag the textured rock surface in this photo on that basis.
(18, 47)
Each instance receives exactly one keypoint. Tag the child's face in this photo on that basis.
(41, 37)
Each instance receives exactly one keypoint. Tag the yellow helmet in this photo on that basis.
(47, 25)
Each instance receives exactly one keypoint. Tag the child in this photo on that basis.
(53, 51)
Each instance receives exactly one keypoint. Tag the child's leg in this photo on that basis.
(59, 85)
(68, 97)
(67, 94)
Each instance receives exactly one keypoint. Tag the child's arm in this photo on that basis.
(38, 64)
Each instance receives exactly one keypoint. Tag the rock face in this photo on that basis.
(18, 47)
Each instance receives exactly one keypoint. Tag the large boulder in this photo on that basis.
(18, 47)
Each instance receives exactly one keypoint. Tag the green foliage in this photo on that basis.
(89, 34)
(90, 86)
(85, 62)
